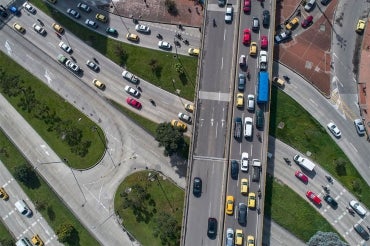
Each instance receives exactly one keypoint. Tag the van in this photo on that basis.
(22, 207)
(248, 127)
(23, 242)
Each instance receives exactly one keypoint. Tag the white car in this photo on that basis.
(244, 162)
(248, 127)
(229, 14)
(360, 128)
(229, 237)
(130, 77)
(263, 59)
(164, 45)
(250, 102)
(184, 117)
(132, 91)
(334, 129)
(357, 207)
(65, 47)
(39, 29)
(72, 66)
(142, 28)
(29, 8)
(92, 65)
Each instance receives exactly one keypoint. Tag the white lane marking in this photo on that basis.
(222, 63)
(353, 146)
(8, 48)
(313, 102)
(47, 76)
(225, 35)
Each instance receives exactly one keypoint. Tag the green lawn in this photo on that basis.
(5, 236)
(167, 198)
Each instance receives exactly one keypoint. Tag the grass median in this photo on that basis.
(5, 236)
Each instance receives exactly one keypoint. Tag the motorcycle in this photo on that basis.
(214, 22)
(59, 36)
(248, 75)
(178, 35)
(177, 43)
(186, 42)
(286, 77)
(350, 210)
(287, 160)
(330, 179)
(159, 36)
(41, 23)
(259, 193)
(326, 189)
(139, 88)
(152, 102)
(95, 60)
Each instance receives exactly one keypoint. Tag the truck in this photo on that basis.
(237, 127)
(256, 170)
(263, 87)
(304, 162)
(263, 60)
(130, 77)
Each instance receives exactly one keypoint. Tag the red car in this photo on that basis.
(133, 103)
(313, 197)
(247, 6)
(247, 36)
(301, 176)
(307, 22)
(264, 42)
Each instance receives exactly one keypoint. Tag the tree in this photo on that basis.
(171, 7)
(137, 200)
(172, 139)
(325, 239)
(66, 233)
(23, 173)
(340, 166)
(167, 228)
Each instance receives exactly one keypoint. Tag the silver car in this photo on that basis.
(132, 91)
(184, 117)
(229, 237)
(357, 207)
(360, 128)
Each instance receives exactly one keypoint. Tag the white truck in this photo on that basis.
(305, 163)
(256, 167)
(130, 77)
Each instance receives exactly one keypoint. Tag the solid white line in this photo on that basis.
(353, 146)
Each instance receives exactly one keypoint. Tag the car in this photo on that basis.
(234, 169)
(229, 237)
(221, 3)
(266, 18)
(73, 13)
(307, 21)
(179, 124)
(65, 47)
(238, 125)
(197, 186)
(193, 52)
(19, 28)
(264, 42)
(130, 77)
(243, 61)
(229, 14)
(3, 194)
(242, 214)
(58, 28)
(101, 17)
(73, 66)
(142, 28)
(164, 45)
(248, 127)
(14, 10)
(357, 207)
(38, 29)
(244, 162)
(92, 65)
(132, 91)
(360, 26)
(255, 24)
(331, 201)
(260, 119)
(292, 23)
(325, 2)
(3, 12)
(250, 102)
(246, 36)
(99, 84)
(252, 200)
(334, 129)
(91, 23)
(247, 6)
(263, 60)
(23, 208)
(250, 240)
(361, 231)
(189, 107)
(84, 7)
(229, 205)
(301, 176)
(244, 186)
(238, 237)
(253, 49)
(36, 240)
(360, 128)
(212, 228)
(111, 31)
(133, 103)
(239, 100)
(242, 80)
(313, 197)
(184, 117)
(283, 36)
(132, 37)
(278, 81)
(309, 5)
(29, 8)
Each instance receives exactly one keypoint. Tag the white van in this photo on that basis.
(22, 207)
(23, 242)
(248, 127)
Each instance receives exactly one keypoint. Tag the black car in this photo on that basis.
(242, 80)
(3, 12)
(361, 231)
(212, 228)
(242, 214)
(266, 18)
(260, 118)
(221, 3)
(325, 2)
(330, 200)
(234, 169)
(197, 186)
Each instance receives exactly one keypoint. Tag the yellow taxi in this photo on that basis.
(292, 23)
(250, 240)
(239, 100)
(229, 205)
(99, 84)
(360, 26)
(36, 240)
(189, 107)
(57, 28)
(193, 51)
(179, 124)
(244, 186)
(253, 49)
(278, 81)
(252, 200)
(101, 17)
(132, 37)
(19, 28)
(238, 237)
(3, 194)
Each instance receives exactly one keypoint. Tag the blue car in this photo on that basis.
(14, 10)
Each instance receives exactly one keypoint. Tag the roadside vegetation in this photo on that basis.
(46, 201)
(6, 238)
(151, 208)
(157, 67)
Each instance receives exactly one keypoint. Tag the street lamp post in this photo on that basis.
(65, 160)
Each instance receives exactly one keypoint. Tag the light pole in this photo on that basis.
(65, 160)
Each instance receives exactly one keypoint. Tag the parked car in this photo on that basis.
(325, 2)
(283, 36)
(84, 7)
(301, 176)
(29, 8)
(310, 4)
(360, 128)
(361, 231)
(197, 186)
(193, 51)
(212, 228)
(313, 197)
(278, 81)
(101, 17)
(357, 207)
(244, 162)
(179, 124)
(111, 31)
(292, 23)
(73, 13)
(189, 107)
(334, 129)
(307, 21)
(331, 201)
(184, 117)
(91, 23)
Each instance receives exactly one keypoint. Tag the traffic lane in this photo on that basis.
(208, 205)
